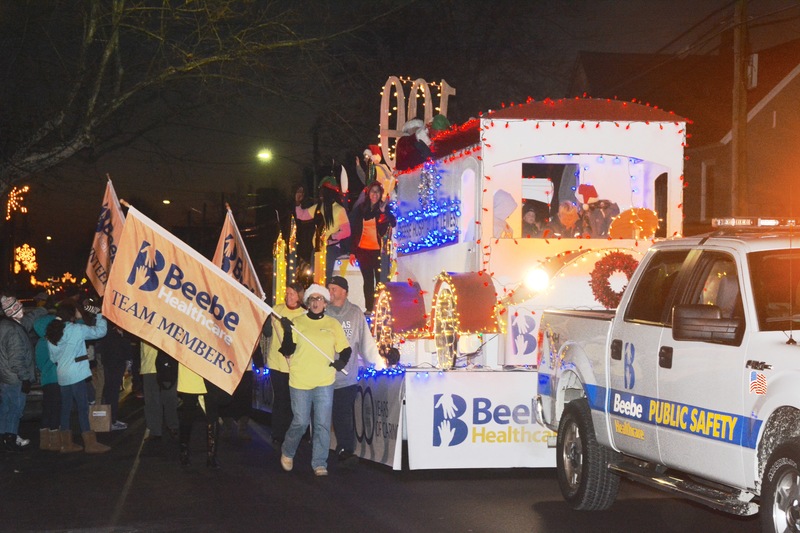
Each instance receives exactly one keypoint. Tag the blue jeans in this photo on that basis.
(12, 404)
(321, 400)
(78, 393)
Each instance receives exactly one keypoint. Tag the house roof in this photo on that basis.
(698, 87)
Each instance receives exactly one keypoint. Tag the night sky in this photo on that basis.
(490, 52)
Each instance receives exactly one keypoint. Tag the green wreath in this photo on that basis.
(601, 287)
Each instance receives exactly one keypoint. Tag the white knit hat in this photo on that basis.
(317, 289)
(12, 307)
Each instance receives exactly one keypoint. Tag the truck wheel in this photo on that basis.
(780, 489)
(583, 475)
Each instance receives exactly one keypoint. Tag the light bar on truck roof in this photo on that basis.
(752, 222)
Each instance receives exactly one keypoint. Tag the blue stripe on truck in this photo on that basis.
(693, 419)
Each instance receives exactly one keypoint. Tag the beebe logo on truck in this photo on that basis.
(450, 427)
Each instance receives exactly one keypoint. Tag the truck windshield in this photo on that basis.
(775, 276)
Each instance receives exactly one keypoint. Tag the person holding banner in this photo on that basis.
(191, 387)
(278, 364)
(331, 221)
(66, 340)
(311, 376)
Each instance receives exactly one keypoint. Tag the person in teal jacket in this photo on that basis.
(51, 392)
(66, 340)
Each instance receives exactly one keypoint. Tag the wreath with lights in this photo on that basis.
(601, 287)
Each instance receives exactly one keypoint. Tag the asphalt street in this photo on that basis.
(138, 487)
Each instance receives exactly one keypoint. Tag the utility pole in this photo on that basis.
(739, 112)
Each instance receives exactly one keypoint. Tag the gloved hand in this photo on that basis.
(287, 346)
(338, 365)
(26, 386)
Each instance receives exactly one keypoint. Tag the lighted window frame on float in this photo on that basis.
(627, 181)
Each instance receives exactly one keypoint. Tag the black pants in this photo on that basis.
(343, 402)
(242, 400)
(113, 372)
(281, 405)
(369, 262)
(51, 406)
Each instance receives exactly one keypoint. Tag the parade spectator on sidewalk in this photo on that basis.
(66, 340)
(345, 387)
(278, 364)
(115, 351)
(160, 398)
(16, 372)
(369, 221)
(311, 376)
(51, 392)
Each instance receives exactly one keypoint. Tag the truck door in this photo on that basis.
(633, 357)
(701, 384)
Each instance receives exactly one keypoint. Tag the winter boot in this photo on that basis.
(213, 433)
(184, 435)
(67, 446)
(44, 439)
(228, 428)
(55, 440)
(242, 424)
(91, 445)
(10, 443)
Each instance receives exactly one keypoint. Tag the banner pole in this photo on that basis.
(326, 356)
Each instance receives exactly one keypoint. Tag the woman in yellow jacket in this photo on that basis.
(278, 364)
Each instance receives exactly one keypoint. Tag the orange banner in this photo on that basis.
(163, 291)
(232, 257)
(106, 239)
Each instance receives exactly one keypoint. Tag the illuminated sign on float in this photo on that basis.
(435, 223)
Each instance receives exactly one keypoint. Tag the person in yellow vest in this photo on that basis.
(311, 376)
(278, 364)
(191, 387)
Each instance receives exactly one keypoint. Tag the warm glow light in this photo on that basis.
(537, 280)
(264, 155)
(165, 202)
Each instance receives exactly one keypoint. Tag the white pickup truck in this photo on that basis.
(692, 385)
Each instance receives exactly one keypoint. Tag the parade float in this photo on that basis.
(468, 283)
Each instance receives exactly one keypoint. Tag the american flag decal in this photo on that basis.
(758, 383)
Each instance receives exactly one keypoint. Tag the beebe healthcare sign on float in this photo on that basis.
(163, 291)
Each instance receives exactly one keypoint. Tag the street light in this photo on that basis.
(264, 155)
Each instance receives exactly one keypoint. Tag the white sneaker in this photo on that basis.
(287, 463)
(320, 471)
(22, 442)
(119, 425)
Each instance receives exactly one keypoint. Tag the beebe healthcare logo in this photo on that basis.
(148, 262)
(448, 428)
(482, 421)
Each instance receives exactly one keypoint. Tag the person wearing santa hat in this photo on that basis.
(16, 372)
(312, 376)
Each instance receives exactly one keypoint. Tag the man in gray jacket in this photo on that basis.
(16, 371)
(345, 387)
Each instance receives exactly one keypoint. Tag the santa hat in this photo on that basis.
(12, 307)
(318, 290)
(587, 194)
(375, 149)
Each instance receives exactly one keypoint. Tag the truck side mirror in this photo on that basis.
(704, 323)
